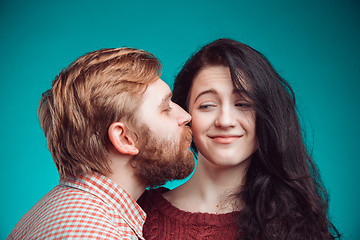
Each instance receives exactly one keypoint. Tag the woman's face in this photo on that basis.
(223, 124)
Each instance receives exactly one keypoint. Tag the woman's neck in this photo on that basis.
(211, 189)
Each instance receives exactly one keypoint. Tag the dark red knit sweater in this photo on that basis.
(165, 221)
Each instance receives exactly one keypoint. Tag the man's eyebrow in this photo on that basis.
(165, 100)
(210, 91)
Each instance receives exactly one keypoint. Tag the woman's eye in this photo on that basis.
(242, 104)
(206, 106)
(239, 104)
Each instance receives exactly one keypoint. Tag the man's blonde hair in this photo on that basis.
(96, 90)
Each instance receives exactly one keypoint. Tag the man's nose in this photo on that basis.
(183, 117)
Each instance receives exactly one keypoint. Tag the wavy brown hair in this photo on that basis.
(96, 90)
(283, 196)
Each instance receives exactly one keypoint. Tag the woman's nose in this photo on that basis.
(225, 118)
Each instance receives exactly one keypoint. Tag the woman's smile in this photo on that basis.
(225, 139)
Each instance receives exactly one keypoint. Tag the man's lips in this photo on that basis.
(225, 139)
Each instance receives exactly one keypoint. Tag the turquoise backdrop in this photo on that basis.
(314, 44)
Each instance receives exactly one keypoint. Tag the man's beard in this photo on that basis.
(159, 161)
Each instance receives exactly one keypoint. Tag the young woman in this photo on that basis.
(254, 177)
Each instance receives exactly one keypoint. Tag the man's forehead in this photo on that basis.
(157, 92)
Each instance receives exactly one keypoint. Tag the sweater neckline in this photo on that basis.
(197, 218)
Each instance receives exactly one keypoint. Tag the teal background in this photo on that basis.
(314, 44)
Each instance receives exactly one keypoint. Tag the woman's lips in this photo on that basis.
(225, 139)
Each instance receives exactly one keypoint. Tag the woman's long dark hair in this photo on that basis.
(283, 196)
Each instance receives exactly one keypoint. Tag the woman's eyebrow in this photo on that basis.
(210, 91)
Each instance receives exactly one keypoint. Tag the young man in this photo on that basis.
(112, 131)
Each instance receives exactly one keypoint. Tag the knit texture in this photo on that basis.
(165, 221)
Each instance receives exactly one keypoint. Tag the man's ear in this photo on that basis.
(121, 139)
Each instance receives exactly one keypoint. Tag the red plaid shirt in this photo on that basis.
(88, 207)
